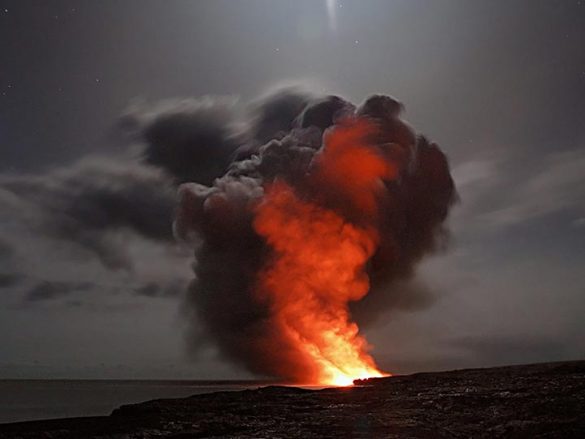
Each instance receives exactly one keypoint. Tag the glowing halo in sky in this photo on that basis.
(332, 14)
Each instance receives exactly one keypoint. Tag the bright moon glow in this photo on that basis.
(332, 14)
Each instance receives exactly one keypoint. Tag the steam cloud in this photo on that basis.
(287, 135)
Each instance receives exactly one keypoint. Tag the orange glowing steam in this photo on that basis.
(318, 263)
(353, 167)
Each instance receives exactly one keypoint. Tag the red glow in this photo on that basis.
(319, 257)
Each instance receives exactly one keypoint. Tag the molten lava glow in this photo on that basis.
(318, 263)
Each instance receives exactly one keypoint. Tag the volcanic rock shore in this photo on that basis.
(533, 401)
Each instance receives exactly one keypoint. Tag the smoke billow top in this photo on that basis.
(305, 221)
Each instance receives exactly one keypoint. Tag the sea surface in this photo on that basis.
(27, 400)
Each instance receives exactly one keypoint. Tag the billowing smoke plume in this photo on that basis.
(323, 212)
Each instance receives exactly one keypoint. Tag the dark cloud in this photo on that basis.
(51, 290)
(193, 140)
(323, 112)
(274, 115)
(84, 203)
(156, 289)
(8, 280)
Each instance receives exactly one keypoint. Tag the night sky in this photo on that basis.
(91, 289)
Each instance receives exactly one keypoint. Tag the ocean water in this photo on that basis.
(27, 400)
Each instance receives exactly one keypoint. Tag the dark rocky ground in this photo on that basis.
(534, 401)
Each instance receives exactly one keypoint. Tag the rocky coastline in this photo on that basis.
(536, 401)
